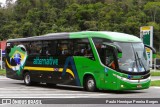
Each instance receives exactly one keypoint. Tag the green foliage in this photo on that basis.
(158, 55)
(37, 17)
(155, 73)
(153, 8)
(2, 72)
(155, 83)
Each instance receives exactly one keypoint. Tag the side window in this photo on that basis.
(65, 48)
(106, 53)
(11, 45)
(98, 43)
(35, 47)
(82, 48)
(8, 48)
(49, 48)
(110, 59)
(27, 46)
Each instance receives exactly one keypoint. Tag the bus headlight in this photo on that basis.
(122, 86)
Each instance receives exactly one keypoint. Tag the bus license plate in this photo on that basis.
(139, 86)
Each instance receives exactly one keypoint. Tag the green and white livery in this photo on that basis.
(92, 59)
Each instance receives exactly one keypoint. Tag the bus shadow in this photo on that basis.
(60, 87)
(122, 91)
(74, 88)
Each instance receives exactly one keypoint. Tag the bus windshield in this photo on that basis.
(134, 57)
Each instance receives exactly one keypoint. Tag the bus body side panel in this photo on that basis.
(90, 66)
(49, 69)
(52, 69)
(16, 57)
(12, 74)
(86, 66)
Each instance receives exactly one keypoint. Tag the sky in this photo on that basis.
(4, 1)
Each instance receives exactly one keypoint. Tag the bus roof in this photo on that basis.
(113, 36)
(49, 36)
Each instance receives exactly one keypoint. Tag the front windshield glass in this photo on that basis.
(134, 58)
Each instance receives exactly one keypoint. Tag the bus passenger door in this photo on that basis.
(109, 60)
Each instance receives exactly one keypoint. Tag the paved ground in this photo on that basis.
(155, 78)
(16, 89)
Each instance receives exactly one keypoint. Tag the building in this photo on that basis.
(3, 46)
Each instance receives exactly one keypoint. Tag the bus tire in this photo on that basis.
(27, 79)
(90, 84)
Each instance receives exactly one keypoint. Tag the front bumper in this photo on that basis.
(127, 84)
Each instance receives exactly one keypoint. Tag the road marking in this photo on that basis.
(51, 95)
(38, 92)
(24, 88)
(5, 78)
(155, 87)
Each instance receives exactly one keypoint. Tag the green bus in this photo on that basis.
(90, 59)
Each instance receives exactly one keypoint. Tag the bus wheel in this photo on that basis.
(27, 79)
(90, 84)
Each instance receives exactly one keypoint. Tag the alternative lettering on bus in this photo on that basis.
(45, 61)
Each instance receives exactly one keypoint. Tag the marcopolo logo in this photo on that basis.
(45, 61)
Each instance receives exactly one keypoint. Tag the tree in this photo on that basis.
(153, 8)
(37, 17)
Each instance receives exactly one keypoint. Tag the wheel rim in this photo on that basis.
(90, 84)
(27, 79)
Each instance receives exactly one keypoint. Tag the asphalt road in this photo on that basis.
(153, 78)
(17, 89)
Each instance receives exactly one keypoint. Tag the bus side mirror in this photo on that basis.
(119, 51)
(119, 55)
(153, 50)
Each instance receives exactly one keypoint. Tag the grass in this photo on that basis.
(2, 72)
(155, 73)
(155, 83)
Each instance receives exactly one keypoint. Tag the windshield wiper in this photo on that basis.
(140, 61)
(135, 62)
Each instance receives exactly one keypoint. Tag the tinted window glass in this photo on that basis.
(35, 47)
(49, 48)
(65, 47)
(82, 48)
